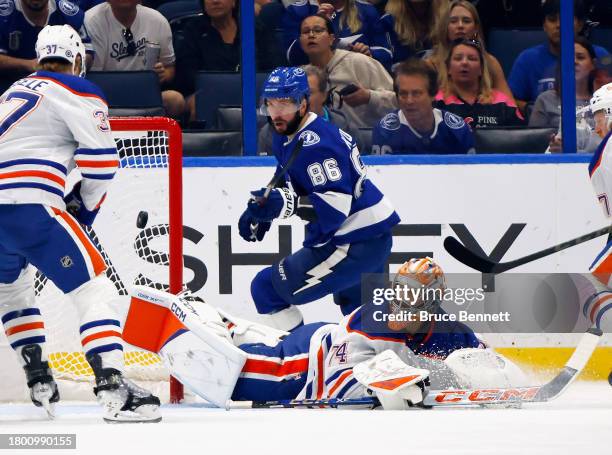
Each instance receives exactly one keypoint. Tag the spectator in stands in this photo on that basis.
(467, 89)
(418, 128)
(410, 26)
(356, 25)
(547, 108)
(259, 4)
(20, 22)
(121, 31)
(211, 42)
(533, 71)
(359, 84)
(316, 103)
(462, 21)
(86, 5)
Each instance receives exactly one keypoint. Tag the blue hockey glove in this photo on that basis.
(252, 230)
(75, 206)
(280, 203)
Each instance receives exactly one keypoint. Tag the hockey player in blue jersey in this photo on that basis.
(418, 128)
(350, 229)
(220, 356)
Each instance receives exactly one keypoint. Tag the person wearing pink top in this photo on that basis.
(467, 90)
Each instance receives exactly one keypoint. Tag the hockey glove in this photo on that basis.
(252, 230)
(280, 203)
(75, 206)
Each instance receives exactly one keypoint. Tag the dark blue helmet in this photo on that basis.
(286, 82)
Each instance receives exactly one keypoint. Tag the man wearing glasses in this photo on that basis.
(127, 36)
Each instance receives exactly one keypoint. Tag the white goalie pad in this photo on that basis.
(482, 368)
(397, 385)
(203, 358)
(244, 331)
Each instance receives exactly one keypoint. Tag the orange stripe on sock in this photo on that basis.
(339, 382)
(95, 256)
(24, 327)
(96, 336)
(89, 163)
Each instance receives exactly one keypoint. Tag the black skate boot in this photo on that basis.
(43, 389)
(122, 400)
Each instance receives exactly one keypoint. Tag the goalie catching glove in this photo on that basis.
(76, 207)
(280, 203)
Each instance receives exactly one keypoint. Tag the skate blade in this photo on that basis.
(49, 408)
(145, 414)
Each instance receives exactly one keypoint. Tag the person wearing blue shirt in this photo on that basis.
(20, 23)
(356, 25)
(534, 69)
(418, 128)
(325, 182)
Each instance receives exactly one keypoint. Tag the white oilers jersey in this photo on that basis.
(335, 349)
(50, 123)
(600, 171)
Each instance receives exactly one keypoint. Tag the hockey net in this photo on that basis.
(139, 232)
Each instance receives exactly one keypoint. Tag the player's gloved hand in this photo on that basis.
(281, 203)
(252, 230)
(75, 206)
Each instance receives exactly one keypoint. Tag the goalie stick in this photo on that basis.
(466, 256)
(463, 397)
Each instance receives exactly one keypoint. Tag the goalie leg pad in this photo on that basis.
(243, 331)
(397, 385)
(195, 348)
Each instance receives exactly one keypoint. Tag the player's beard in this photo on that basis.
(292, 125)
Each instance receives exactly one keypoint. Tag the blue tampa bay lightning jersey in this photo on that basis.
(328, 169)
(18, 35)
(450, 135)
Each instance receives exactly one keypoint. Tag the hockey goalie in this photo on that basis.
(221, 357)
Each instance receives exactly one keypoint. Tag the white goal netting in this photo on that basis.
(135, 254)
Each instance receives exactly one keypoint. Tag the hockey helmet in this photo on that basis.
(290, 83)
(426, 280)
(602, 101)
(60, 42)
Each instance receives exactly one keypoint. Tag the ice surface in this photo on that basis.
(580, 421)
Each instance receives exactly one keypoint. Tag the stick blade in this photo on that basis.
(458, 250)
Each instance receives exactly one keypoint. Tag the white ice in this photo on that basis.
(578, 422)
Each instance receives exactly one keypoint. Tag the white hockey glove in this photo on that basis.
(397, 386)
(484, 368)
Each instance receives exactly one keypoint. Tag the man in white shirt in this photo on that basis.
(120, 31)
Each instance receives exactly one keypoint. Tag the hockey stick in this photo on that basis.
(459, 251)
(275, 179)
(463, 397)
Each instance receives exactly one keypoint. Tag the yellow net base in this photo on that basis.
(144, 365)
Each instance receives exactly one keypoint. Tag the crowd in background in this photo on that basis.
(418, 69)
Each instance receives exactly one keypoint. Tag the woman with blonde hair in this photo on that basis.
(462, 21)
(467, 90)
(356, 25)
(410, 26)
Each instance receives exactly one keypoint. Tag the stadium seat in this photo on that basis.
(512, 140)
(365, 139)
(212, 143)
(130, 93)
(173, 11)
(229, 117)
(506, 44)
(602, 37)
(216, 88)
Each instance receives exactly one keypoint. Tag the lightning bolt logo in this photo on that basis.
(323, 269)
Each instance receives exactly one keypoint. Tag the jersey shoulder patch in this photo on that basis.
(309, 137)
(390, 122)
(454, 122)
(6, 7)
(68, 8)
